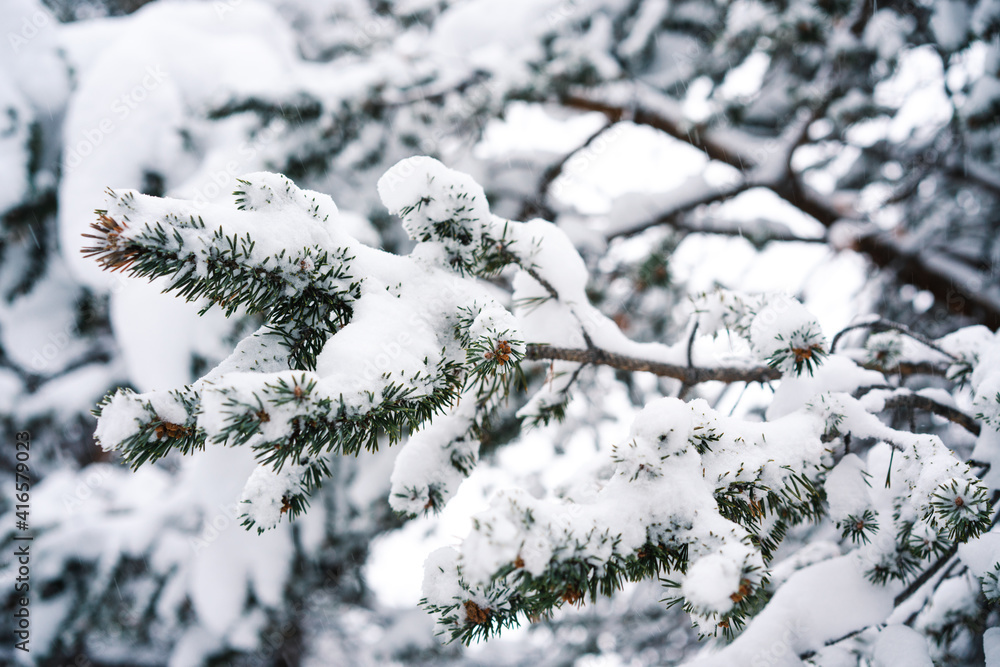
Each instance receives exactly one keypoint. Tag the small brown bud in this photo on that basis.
(475, 614)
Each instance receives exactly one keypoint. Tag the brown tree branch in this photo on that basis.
(758, 231)
(683, 203)
(705, 139)
(685, 374)
(908, 368)
(880, 325)
(957, 288)
(924, 403)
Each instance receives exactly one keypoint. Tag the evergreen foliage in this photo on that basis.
(753, 137)
(697, 499)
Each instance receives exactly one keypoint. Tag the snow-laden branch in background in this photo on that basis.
(765, 162)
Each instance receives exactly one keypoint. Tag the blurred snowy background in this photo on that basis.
(845, 161)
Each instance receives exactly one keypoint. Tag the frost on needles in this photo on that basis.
(361, 348)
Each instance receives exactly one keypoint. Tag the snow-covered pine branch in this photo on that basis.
(704, 500)
(357, 343)
(360, 346)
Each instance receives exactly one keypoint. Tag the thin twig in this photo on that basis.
(551, 174)
(694, 332)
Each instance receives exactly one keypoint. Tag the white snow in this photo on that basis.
(901, 645)
(847, 488)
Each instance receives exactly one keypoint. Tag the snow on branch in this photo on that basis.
(747, 483)
(704, 500)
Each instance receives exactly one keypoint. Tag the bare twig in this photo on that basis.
(537, 206)
(708, 140)
(683, 204)
(758, 231)
(546, 285)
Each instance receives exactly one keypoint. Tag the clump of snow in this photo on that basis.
(817, 604)
(837, 374)
(950, 23)
(665, 423)
(710, 583)
(968, 345)
(901, 645)
(724, 310)
(435, 460)
(885, 349)
(265, 190)
(847, 488)
(986, 400)
(122, 417)
(265, 490)
(991, 647)
(438, 205)
(492, 321)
